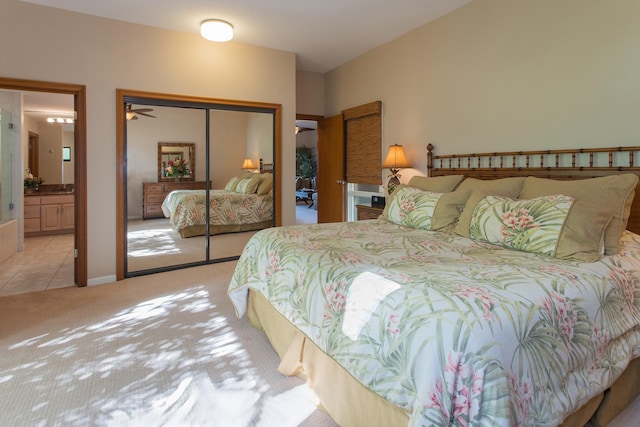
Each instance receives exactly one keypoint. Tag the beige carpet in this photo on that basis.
(152, 243)
(157, 350)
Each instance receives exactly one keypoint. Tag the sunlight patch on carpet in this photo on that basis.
(171, 360)
(151, 242)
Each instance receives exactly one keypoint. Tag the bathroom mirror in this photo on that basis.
(169, 153)
(49, 149)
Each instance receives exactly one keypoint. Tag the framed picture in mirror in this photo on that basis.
(176, 161)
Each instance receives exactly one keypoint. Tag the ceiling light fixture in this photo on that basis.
(216, 30)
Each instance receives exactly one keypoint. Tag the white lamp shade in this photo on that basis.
(216, 30)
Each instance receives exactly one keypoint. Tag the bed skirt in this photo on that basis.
(199, 230)
(351, 404)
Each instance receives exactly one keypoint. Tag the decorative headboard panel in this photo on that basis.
(266, 167)
(556, 164)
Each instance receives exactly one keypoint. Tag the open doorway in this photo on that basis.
(71, 215)
(307, 169)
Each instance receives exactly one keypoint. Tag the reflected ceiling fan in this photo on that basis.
(132, 113)
(300, 129)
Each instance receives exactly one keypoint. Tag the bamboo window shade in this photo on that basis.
(363, 128)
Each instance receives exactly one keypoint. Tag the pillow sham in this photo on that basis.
(437, 184)
(556, 225)
(614, 192)
(231, 185)
(426, 210)
(266, 184)
(248, 185)
(507, 187)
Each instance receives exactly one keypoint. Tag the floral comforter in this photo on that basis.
(455, 331)
(187, 207)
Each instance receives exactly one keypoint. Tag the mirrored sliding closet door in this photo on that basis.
(183, 162)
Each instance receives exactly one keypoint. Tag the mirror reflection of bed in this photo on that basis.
(153, 242)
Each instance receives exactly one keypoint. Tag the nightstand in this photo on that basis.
(368, 212)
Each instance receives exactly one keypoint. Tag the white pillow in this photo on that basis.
(231, 185)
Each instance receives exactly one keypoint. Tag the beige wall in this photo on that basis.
(104, 55)
(228, 145)
(504, 75)
(49, 151)
(260, 138)
(310, 93)
(143, 135)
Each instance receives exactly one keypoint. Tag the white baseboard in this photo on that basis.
(101, 280)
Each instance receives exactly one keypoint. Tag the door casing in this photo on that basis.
(79, 93)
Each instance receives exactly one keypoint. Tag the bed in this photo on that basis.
(246, 205)
(452, 320)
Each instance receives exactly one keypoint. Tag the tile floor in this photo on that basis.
(45, 263)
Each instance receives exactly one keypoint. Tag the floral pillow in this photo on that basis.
(555, 225)
(527, 225)
(426, 210)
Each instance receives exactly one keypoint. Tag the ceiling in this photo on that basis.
(323, 34)
(42, 104)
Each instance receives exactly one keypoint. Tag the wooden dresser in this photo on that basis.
(153, 194)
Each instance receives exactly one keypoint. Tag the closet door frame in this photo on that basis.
(124, 96)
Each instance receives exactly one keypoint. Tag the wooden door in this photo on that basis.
(331, 167)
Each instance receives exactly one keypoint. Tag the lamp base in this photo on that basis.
(392, 183)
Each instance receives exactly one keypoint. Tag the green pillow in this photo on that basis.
(555, 225)
(507, 187)
(426, 210)
(614, 192)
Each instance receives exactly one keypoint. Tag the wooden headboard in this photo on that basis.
(266, 167)
(556, 164)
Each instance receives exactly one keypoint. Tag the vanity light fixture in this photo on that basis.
(216, 30)
(60, 120)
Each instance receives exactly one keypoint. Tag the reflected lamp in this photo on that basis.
(248, 164)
